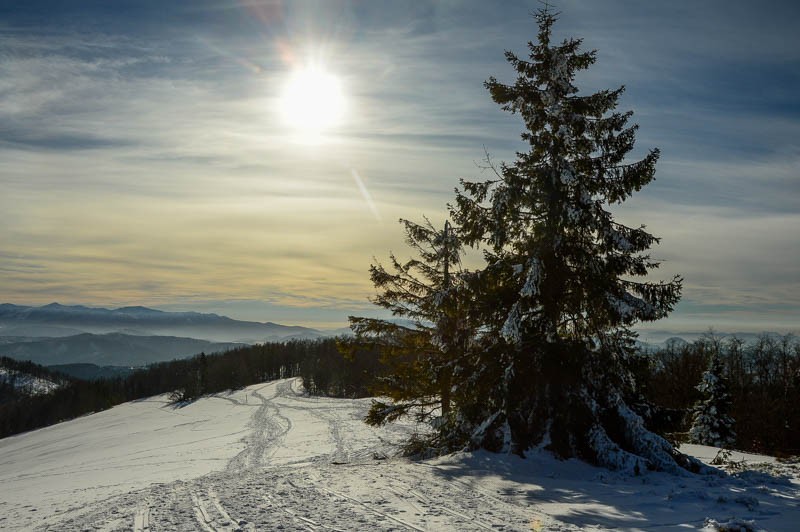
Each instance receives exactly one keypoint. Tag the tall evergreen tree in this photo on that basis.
(560, 288)
(423, 352)
(711, 420)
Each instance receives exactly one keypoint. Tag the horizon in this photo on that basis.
(651, 334)
(157, 154)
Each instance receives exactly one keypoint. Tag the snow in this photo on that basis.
(574, 214)
(28, 383)
(619, 241)
(269, 457)
(629, 306)
(511, 327)
(531, 287)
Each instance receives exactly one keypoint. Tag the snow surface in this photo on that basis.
(270, 458)
(28, 383)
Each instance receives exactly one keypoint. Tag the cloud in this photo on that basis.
(144, 161)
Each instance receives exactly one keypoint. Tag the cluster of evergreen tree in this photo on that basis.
(535, 347)
(756, 386)
(326, 372)
(11, 387)
(323, 369)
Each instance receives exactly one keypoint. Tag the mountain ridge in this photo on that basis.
(149, 322)
(111, 349)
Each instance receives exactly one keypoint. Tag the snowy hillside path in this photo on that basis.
(269, 457)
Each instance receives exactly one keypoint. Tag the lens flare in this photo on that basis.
(365, 193)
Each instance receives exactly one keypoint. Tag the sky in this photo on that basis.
(146, 156)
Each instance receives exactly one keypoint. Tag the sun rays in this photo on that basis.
(312, 102)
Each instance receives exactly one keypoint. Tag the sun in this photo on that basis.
(312, 101)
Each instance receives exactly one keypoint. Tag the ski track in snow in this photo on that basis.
(310, 463)
(141, 519)
(302, 493)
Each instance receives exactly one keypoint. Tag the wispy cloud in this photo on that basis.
(144, 161)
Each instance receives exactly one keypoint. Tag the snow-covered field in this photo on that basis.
(269, 458)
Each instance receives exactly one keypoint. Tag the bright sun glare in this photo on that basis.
(312, 101)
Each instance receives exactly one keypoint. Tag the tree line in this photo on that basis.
(763, 381)
(323, 369)
(763, 384)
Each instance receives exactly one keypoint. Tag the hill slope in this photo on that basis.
(267, 457)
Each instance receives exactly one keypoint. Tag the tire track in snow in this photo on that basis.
(372, 509)
(211, 515)
(429, 513)
(467, 518)
(141, 519)
(311, 494)
(343, 451)
(430, 508)
(492, 501)
(195, 505)
(434, 505)
(267, 431)
(201, 514)
(306, 523)
(214, 499)
(342, 455)
(309, 505)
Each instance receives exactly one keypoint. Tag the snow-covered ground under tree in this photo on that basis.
(270, 458)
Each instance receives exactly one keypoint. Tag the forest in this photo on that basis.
(763, 379)
(319, 363)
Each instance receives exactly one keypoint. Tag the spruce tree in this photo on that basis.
(711, 420)
(422, 352)
(562, 282)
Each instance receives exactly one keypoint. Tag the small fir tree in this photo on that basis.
(559, 291)
(711, 421)
(422, 357)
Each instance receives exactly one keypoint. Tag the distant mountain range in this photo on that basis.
(113, 349)
(55, 320)
(661, 337)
